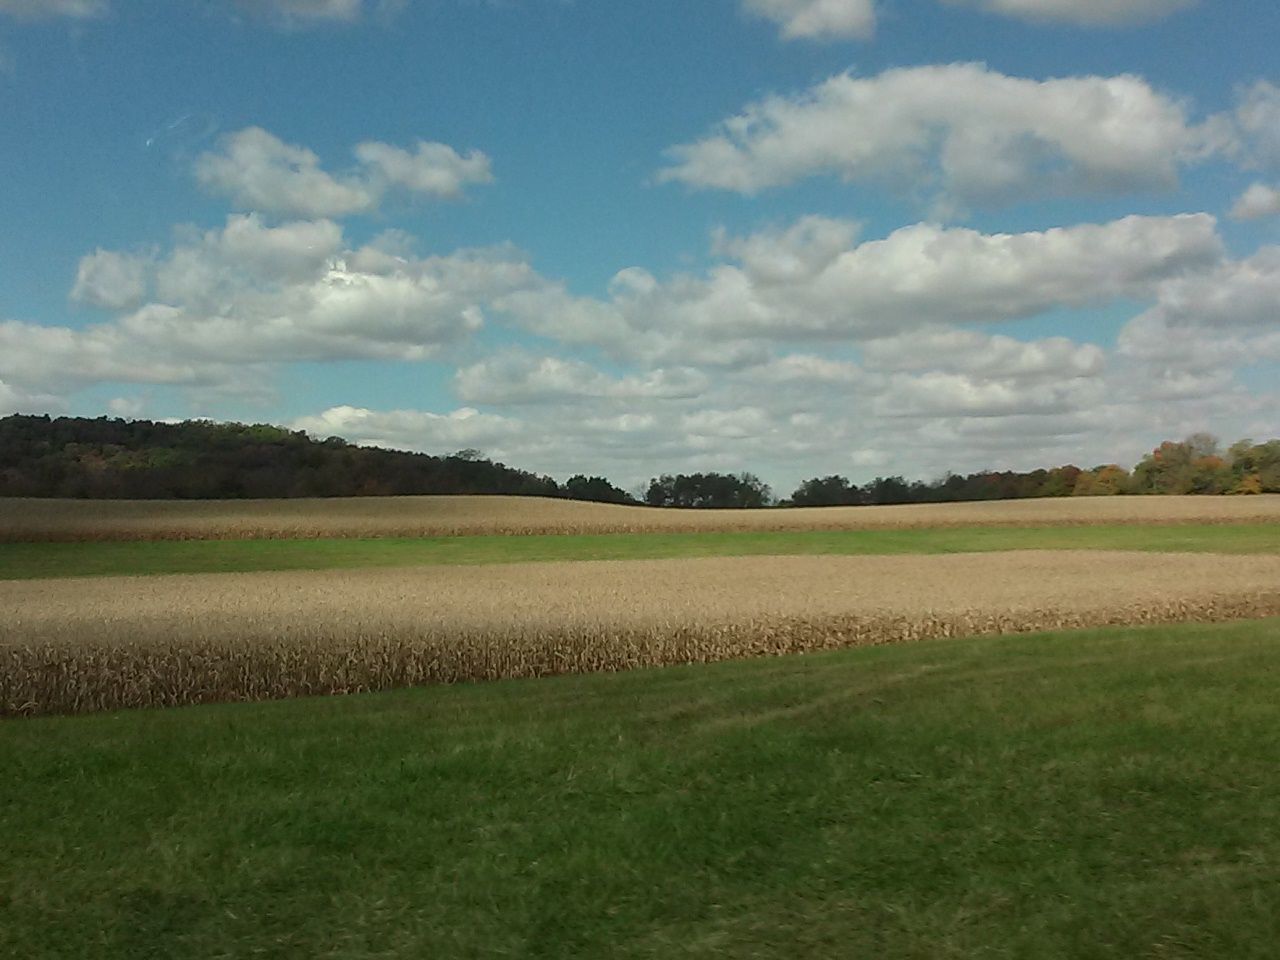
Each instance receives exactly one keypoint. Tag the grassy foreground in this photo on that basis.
(30, 560)
(1099, 794)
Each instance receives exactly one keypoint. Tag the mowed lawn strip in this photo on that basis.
(33, 560)
(1099, 794)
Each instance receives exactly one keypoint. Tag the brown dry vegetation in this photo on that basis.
(80, 645)
(59, 520)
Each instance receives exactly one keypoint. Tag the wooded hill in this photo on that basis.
(104, 458)
(138, 459)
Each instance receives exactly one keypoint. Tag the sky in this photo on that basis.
(790, 237)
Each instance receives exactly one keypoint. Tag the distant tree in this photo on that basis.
(42, 456)
(708, 490)
(884, 490)
(1060, 481)
(1190, 466)
(826, 492)
(1202, 445)
(1255, 468)
(594, 488)
(1106, 481)
(80, 457)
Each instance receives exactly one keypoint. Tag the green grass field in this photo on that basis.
(26, 560)
(1088, 795)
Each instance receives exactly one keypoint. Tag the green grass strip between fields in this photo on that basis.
(28, 560)
(1108, 794)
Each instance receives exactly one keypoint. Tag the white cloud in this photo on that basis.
(956, 373)
(110, 280)
(973, 353)
(250, 292)
(1088, 13)
(224, 304)
(804, 350)
(964, 132)
(412, 429)
(798, 283)
(1204, 327)
(259, 171)
(817, 19)
(940, 394)
(304, 11)
(1242, 294)
(127, 406)
(75, 9)
(1257, 117)
(432, 169)
(13, 399)
(1260, 200)
(796, 253)
(804, 369)
(737, 424)
(47, 360)
(519, 378)
(832, 19)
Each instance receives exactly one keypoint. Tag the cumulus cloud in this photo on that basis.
(250, 291)
(804, 369)
(36, 9)
(1260, 200)
(49, 360)
(1086, 13)
(1257, 117)
(412, 429)
(222, 304)
(807, 282)
(111, 280)
(805, 348)
(259, 171)
(1241, 294)
(965, 132)
(974, 353)
(1204, 327)
(431, 169)
(817, 19)
(16, 400)
(940, 394)
(520, 378)
(941, 398)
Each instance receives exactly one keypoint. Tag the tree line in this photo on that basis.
(138, 459)
(1197, 465)
(42, 456)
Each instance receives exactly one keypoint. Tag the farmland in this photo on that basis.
(73, 644)
(24, 519)
(1104, 794)
(148, 557)
(931, 778)
(128, 604)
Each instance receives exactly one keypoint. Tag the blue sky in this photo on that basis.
(790, 236)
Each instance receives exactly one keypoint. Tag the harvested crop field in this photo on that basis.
(68, 520)
(75, 645)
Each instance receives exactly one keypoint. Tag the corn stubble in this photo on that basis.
(73, 646)
(85, 520)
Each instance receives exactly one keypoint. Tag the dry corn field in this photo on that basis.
(102, 643)
(66, 520)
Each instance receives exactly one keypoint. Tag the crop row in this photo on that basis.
(70, 646)
(72, 520)
(49, 678)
